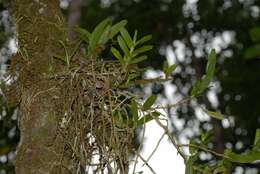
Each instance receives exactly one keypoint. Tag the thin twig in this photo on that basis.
(204, 149)
(155, 149)
(172, 139)
(146, 163)
(183, 101)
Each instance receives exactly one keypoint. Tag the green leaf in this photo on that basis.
(196, 88)
(249, 157)
(117, 54)
(147, 118)
(135, 37)
(256, 145)
(126, 37)
(132, 76)
(206, 136)
(83, 34)
(105, 36)
(169, 69)
(189, 164)
(255, 34)
(252, 52)
(172, 68)
(211, 64)
(116, 28)
(134, 109)
(192, 149)
(97, 33)
(142, 50)
(123, 45)
(216, 115)
(138, 59)
(144, 39)
(202, 84)
(149, 102)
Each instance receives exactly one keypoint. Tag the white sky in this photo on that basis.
(165, 159)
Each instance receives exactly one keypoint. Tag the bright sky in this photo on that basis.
(165, 159)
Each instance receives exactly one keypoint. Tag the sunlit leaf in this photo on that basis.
(126, 37)
(138, 59)
(142, 50)
(215, 115)
(169, 69)
(144, 39)
(149, 102)
(105, 35)
(96, 34)
(123, 45)
(116, 28)
(211, 64)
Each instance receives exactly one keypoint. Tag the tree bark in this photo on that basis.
(42, 150)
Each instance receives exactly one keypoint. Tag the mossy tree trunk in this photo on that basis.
(42, 149)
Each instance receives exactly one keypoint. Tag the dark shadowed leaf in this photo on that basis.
(252, 52)
(255, 34)
(149, 102)
(117, 54)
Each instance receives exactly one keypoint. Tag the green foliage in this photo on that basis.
(222, 166)
(101, 34)
(149, 102)
(132, 49)
(255, 34)
(254, 50)
(68, 55)
(146, 118)
(215, 115)
(168, 69)
(202, 84)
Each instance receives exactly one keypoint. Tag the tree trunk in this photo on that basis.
(42, 149)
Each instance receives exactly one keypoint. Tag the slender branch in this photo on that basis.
(172, 138)
(146, 163)
(204, 149)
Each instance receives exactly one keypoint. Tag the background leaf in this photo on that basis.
(216, 115)
(149, 102)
